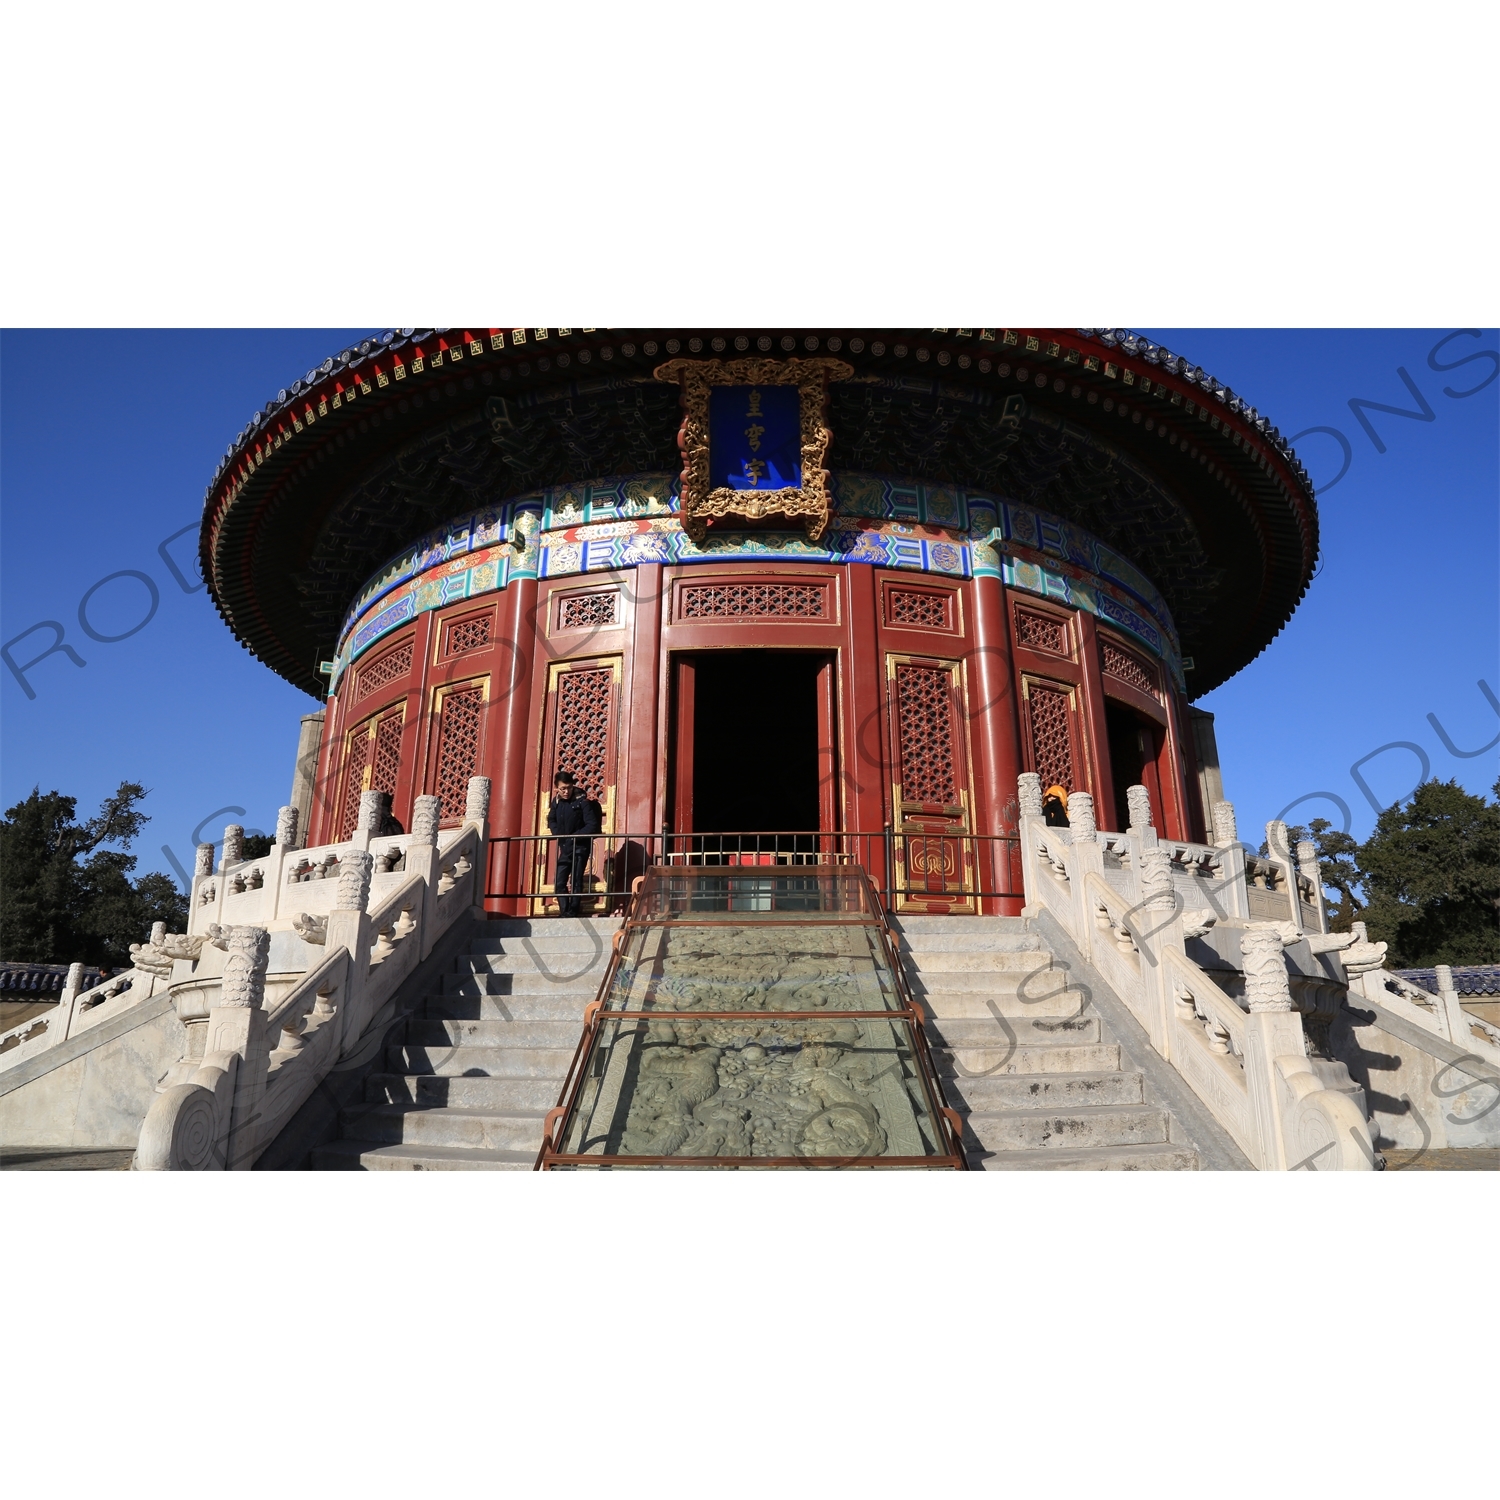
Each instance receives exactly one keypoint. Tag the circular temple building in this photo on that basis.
(771, 596)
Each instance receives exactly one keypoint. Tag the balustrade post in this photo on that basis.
(1085, 857)
(422, 859)
(1138, 802)
(372, 810)
(1273, 1029)
(1233, 893)
(1028, 818)
(349, 927)
(200, 916)
(234, 846)
(1279, 851)
(1157, 923)
(1307, 867)
(237, 1026)
(1451, 1013)
(60, 1022)
(280, 860)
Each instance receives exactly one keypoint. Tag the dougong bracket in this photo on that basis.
(736, 463)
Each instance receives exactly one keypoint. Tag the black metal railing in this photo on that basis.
(905, 866)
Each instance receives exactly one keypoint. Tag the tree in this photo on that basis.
(64, 898)
(1337, 865)
(1431, 873)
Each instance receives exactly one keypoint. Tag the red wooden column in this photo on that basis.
(1096, 728)
(511, 742)
(325, 785)
(1178, 794)
(640, 798)
(996, 729)
(866, 761)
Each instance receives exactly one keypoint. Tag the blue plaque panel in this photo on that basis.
(755, 437)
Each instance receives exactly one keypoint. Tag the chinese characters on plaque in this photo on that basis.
(755, 437)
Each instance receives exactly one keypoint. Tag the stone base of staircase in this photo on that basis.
(1029, 1064)
(470, 1077)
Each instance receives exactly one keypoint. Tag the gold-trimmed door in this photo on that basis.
(580, 733)
(933, 858)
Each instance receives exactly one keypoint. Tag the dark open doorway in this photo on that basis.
(751, 741)
(1134, 742)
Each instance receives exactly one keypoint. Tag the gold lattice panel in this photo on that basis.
(1041, 632)
(577, 611)
(760, 601)
(920, 607)
(460, 724)
(468, 635)
(924, 718)
(391, 667)
(1050, 712)
(585, 704)
(1123, 666)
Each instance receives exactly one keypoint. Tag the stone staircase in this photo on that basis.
(482, 1062)
(1033, 1071)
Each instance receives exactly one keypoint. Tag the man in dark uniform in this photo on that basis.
(574, 818)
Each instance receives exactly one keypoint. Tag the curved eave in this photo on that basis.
(315, 431)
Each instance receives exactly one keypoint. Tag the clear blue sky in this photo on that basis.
(107, 441)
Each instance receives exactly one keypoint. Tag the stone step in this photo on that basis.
(1098, 1057)
(974, 1033)
(975, 1005)
(980, 961)
(500, 1095)
(484, 1062)
(539, 960)
(919, 923)
(441, 1033)
(1075, 1128)
(1157, 1158)
(568, 1006)
(925, 943)
(530, 983)
(1035, 979)
(428, 1125)
(498, 929)
(361, 1156)
(1065, 1091)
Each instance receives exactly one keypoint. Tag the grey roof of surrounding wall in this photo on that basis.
(1468, 979)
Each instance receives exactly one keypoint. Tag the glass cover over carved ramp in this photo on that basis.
(753, 1019)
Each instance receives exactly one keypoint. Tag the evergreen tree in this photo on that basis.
(64, 898)
(1431, 874)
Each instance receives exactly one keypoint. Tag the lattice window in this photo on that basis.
(1123, 665)
(388, 669)
(356, 764)
(468, 635)
(577, 610)
(585, 699)
(917, 607)
(462, 718)
(1041, 632)
(1051, 735)
(372, 765)
(764, 601)
(924, 714)
(387, 757)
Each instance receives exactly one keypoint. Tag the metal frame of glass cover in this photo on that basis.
(761, 1013)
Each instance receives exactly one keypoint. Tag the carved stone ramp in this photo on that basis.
(466, 1089)
(1034, 1065)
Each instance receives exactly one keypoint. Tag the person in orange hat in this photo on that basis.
(1055, 806)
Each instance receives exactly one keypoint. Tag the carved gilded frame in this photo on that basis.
(811, 504)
